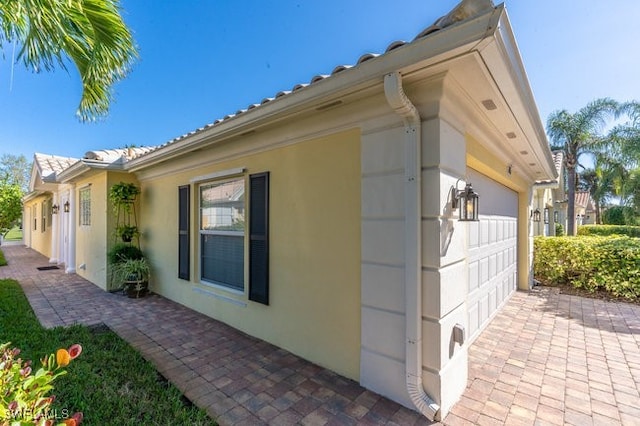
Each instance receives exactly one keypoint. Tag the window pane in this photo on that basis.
(222, 206)
(223, 259)
(85, 207)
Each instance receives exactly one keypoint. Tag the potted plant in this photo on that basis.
(133, 274)
(127, 232)
(123, 194)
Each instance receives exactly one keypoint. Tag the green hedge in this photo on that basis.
(3, 261)
(603, 230)
(592, 263)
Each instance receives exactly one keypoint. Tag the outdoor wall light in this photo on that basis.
(556, 219)
(536, 215)
(467, 201)
(66, 206)
(54, 209)
(546, 215)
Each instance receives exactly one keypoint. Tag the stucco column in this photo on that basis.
(71, 223)
(55, 232)
(444, 263)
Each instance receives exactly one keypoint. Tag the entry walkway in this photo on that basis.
(546, 358)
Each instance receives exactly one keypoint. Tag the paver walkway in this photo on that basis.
(546, 358)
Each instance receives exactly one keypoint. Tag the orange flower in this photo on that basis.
(70, 422)
(75, 351)
(63, 358)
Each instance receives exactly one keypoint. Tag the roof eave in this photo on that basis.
(434, 48)
(505, 60)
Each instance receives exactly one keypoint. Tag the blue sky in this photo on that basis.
(201, 60)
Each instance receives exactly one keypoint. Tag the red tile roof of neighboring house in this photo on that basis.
(583, 198)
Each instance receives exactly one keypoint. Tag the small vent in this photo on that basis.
(511, 135)
(489, 104)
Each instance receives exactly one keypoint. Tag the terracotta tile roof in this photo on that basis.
(121, 155)
(49, 165)
(583, 198)
(464, 10)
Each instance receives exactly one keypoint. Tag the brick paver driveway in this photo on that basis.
(546, 358)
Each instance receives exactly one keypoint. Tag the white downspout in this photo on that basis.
(71, 220)
(413, 244)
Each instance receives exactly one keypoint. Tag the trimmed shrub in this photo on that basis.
(559, 230)
(592, 263)
(604, 230)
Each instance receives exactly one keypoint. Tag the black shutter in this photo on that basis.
(259, 238)
(183, 232)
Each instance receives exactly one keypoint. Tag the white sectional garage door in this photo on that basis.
(492, 251)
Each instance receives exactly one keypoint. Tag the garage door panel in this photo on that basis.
(492, 244)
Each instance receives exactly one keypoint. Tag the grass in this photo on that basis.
(14, 235)
(110, 382)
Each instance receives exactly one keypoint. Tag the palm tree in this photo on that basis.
(599, 182)
(577, 134)
(91, 33)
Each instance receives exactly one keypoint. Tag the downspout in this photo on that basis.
(413, 244)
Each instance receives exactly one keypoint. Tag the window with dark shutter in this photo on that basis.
(259, 238)
(183, 232)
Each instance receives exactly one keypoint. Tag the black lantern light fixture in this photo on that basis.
(54, 209)
(536, 215)
(467, 201)
(556, 219)
(546, 215)
(66, 206)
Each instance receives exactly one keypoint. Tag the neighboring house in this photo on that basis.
(585, 209)
(321, 220)
(549, 206)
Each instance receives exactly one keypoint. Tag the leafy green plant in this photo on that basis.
(603, 230)
(122, 195)
(10, 206)
(559, 230)
(133, 276)
(121, 252)
(3, 261)
(593, 263)
(127, 232)
(24, 396)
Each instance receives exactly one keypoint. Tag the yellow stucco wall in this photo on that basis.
(35, 238)
(314, 248)
(91, 240)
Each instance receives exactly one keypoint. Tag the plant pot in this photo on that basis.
(136, 289)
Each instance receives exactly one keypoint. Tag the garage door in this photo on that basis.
(492, 251)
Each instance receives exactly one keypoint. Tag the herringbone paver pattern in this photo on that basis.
(545, 359)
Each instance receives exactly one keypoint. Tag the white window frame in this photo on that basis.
(221, 178)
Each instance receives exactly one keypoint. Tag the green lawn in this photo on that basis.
(110, 382)
(14, 235)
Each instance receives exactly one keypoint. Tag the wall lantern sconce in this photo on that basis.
(54, 209)
(555, 217)
(467, 201)
(66, 207)
(536, 215)
(545, 213)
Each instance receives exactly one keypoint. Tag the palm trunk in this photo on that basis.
(571, 202)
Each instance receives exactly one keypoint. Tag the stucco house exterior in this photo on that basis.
(321, 220)
(549, 206)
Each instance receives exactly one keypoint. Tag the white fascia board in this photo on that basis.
(83, 166)
(432, 49)
(503, 59)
